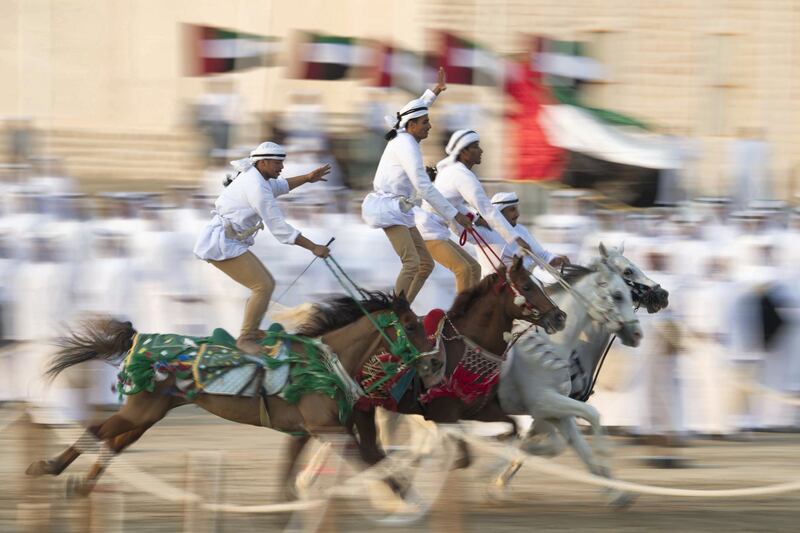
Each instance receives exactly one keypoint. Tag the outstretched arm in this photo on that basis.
(312, 177)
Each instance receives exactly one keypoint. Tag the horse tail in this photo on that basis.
(102, 339)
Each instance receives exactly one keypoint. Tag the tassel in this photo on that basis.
(508, 336)
(519, 300)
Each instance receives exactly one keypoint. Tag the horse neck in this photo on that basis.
(353, 344)
(485, 322)
(581, 334)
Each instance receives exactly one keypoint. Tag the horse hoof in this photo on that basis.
(622, 500)
(40, 468)
(497, 491)
(462, 462)
(79, 487)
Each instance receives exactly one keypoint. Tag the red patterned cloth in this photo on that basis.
(377, 377)
(465, 385)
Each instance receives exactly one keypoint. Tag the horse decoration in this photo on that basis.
(305, 387)
(644, 291)
(474, 336)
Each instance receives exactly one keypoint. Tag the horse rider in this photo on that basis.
(400, 173)
(460, 186)
(246, 205)
(508, 204)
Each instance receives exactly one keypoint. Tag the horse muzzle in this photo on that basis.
(656, 299)
(631, 334)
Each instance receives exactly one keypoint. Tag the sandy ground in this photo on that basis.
(251, 459)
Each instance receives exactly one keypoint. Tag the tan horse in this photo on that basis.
(347, 332)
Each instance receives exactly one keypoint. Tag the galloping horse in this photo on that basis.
(537, 380)
(474, 336)
(347, 339)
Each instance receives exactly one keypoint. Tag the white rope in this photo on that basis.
(549, 467)
(122, 470)
(752, 385)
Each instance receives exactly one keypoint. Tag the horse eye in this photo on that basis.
(412, 326)
(527, 287)
(618, 296)
(627, 272)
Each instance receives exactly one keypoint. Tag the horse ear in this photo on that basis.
(402, 296)
(622, 248)
(517, 264)
(603, 250)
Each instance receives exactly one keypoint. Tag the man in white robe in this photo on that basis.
(508, 203)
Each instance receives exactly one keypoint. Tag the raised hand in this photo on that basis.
(319, 174)
(441, 82)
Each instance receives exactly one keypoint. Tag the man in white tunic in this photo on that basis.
(400, 173)
(508, 203)
(247, 204)
(460, 186)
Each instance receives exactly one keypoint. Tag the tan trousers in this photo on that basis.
(417, 262)
(455, 259)
(247, 270)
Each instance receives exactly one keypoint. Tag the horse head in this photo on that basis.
(644, 290)
(611, 304)
(427, 360)
(528, 301)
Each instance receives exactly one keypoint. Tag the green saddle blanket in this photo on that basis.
(210, 364)
(294, 366)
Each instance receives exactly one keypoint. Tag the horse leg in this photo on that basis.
(550, 445)
(139, 413)
(569, 429)
(296, 445)
(364, 422)
(552, 404)
(445, 410)
(493, 412)
(88, 442)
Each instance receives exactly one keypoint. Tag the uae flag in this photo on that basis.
(468, 63)
(564, 62)
(403, 69)
(213, 50)
(554, 137)
(328, 57)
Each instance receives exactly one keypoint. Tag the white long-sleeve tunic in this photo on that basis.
(400, 172)
(244, 204)
(460, 186)
(506, 251)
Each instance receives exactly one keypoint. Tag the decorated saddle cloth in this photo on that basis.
(295, 366)
(205, 364)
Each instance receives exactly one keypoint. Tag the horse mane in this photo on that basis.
(577, 272)
(572, 274)
(465, 299)
(339, 311)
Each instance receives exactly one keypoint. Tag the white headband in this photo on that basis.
(505, 199)
(458, 141)
(414, 109)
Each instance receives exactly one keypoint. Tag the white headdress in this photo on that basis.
(265, 150)
(505, 199)
(414, 109)
(459, 140)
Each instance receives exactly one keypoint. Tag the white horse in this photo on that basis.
(587, 349)
(537, 379)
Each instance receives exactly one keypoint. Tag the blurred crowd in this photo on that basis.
(719, 360)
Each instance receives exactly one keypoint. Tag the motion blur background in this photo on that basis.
(670, 126)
